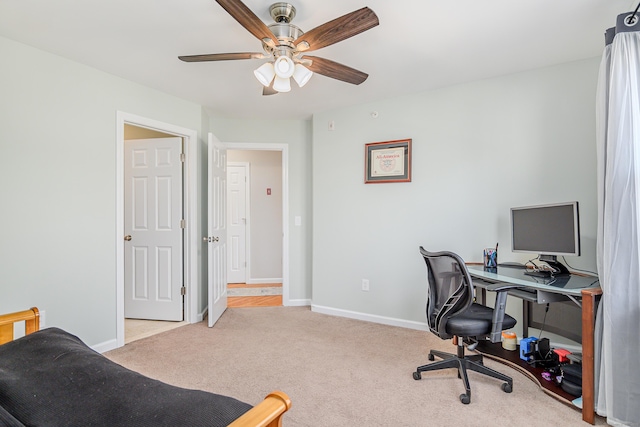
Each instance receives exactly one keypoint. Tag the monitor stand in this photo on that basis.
(559, 269)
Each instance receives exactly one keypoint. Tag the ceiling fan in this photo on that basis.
(285, 45)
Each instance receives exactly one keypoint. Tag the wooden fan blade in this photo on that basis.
(339, 29)
(241, 13)
(332, 69)
(221, 57)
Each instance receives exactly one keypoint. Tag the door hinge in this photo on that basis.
(183, 157)
(183, 223)
(183, 291)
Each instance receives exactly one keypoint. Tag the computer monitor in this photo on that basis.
(549, 230)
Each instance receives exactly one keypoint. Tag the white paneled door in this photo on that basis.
(153, 229)
(217, 230)
(237, 223)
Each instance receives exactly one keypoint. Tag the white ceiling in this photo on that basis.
(419, 45)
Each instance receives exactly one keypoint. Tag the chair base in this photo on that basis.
(463, 364)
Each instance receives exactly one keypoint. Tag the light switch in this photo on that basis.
(298, 220)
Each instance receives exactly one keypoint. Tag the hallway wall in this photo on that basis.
(266, 213)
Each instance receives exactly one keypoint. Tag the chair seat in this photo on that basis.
(476, 321)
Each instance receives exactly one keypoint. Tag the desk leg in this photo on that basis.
(526, 306)
(588, 326)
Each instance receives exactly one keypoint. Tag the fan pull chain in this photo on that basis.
(631, 19)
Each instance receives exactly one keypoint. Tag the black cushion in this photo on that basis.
(476, 320)
(8, 420)
(51, 378)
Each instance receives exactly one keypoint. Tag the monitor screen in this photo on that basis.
(546, 229)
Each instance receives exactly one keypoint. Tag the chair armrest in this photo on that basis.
(498, 311)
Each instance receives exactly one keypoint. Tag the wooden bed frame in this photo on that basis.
(267, 413)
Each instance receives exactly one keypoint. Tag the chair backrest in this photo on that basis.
(450, 289)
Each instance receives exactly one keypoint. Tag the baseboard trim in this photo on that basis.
(201, 316)
(264, 281)
(374, 318)
(296, 303)
(105, 346)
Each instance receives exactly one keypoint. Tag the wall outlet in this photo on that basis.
(365, 285)
(43, 319)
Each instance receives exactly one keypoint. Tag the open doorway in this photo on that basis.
(257, 223)
(254, 227)
(190, 240)
(154, 241)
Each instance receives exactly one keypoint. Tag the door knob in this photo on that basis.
(127, 237)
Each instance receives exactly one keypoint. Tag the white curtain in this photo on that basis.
(618, 240)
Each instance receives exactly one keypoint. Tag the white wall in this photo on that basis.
(478, 149)
(297, 135)
(265, 212)
(58, 185)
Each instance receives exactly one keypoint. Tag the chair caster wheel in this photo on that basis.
(431, 357)
(465, 398)
(507, 388)
(417, 376)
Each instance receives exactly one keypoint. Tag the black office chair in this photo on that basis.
(451, 312)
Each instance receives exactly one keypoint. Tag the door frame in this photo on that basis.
(190, 206)
(284, 149)
(247, 215)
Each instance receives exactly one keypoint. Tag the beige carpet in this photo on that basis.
(337, 371)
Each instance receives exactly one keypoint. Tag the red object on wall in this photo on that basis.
(268, 191)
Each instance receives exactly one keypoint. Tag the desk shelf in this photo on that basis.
(512, 358)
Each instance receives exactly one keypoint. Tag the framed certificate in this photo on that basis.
(388, 161)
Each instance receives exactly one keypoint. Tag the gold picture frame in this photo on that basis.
(387, 161)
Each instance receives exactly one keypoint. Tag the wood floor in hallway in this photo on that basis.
(254, 300)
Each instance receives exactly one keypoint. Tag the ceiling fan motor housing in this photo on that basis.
(286, 33)
(282, 12)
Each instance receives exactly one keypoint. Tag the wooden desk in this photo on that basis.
(588, 296)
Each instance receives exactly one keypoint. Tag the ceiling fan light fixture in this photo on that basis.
(302, 74)
(282, 84)
(284, 67)
(265, 73)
